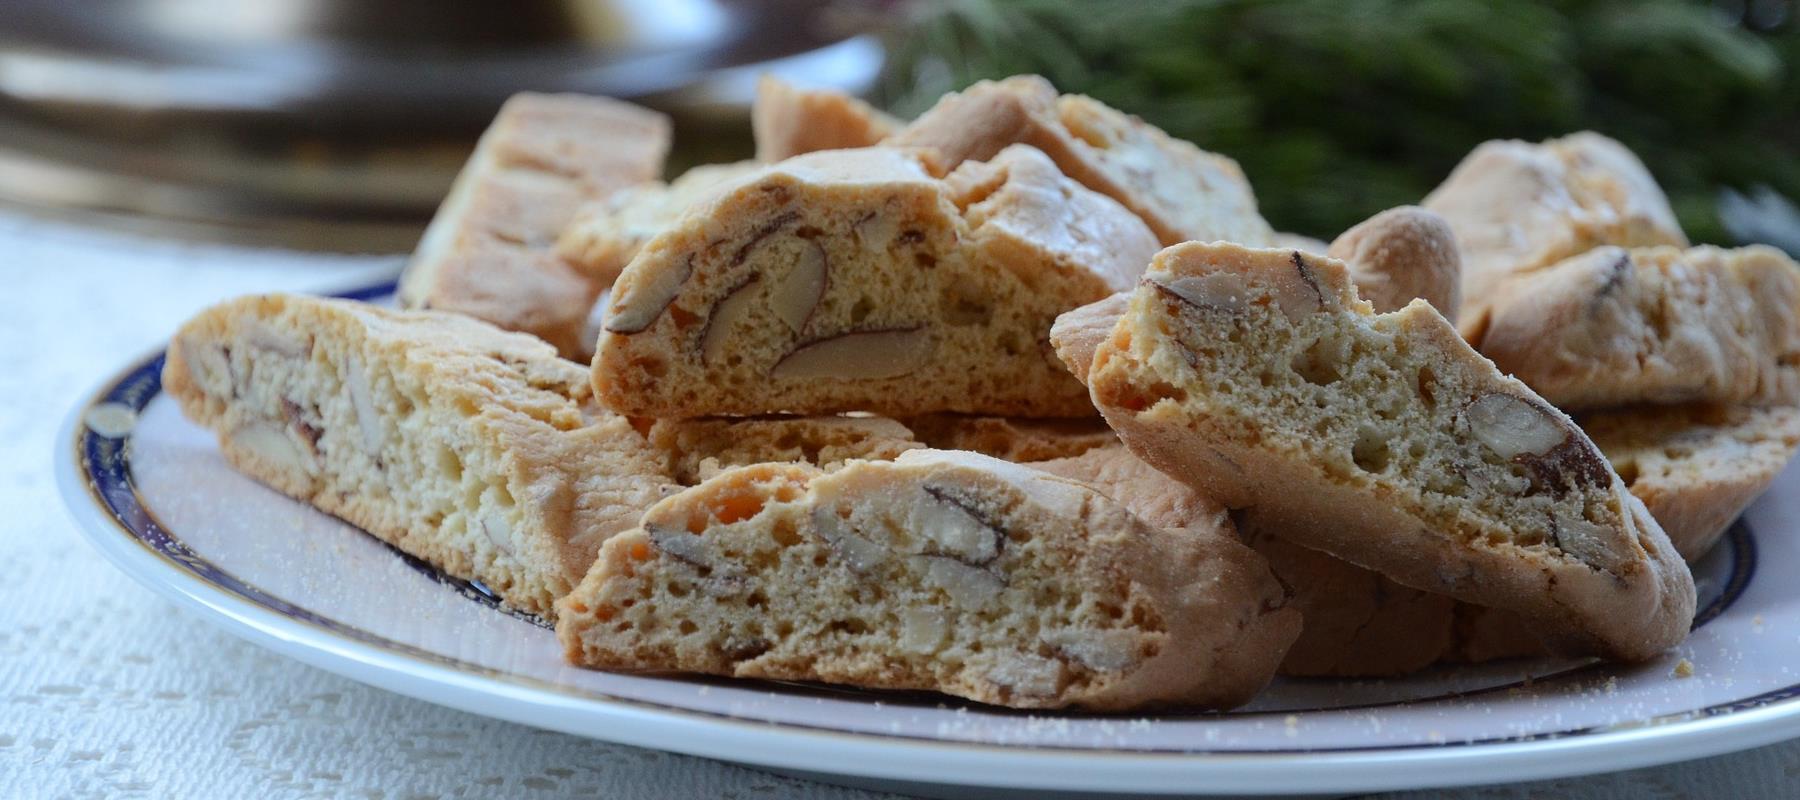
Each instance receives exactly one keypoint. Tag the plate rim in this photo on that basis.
(1680, 736)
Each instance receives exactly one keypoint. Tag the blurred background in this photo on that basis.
(338, 124)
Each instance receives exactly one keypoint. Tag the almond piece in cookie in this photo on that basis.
(1400, 254)
(477, 450)
(1385, 440)
(1697, 466)
(1616, 327)
(1182, 192)
(788, 121)
(1517, 207)
(489, 251)
(941, 571)
(853, 280)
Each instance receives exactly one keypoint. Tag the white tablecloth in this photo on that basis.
(108, 691)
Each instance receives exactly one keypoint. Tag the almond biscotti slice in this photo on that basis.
(853, 280)
(477, 450)
(1011, 438)
(1517, 207)
(698, 449)
(788, 121)
(1182, 192)
(604, 236)
(942, 571)
(1697, 466)
(1616, 327)
(1385, 440)
(489, 252)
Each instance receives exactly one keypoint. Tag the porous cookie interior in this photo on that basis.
(820, 295)
(952, 580)
(1274, 348)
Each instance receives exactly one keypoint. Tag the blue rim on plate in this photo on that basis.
(97, 465)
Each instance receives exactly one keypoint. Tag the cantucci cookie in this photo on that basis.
(943, 571)
(1299, 241)
(489, 251)
(1012, 439)
(1616, 327)
(701, 448)
(604, 236)
(1698, 466)
(1400, 254)
(1517, 207)
(1182, 192)
(1385, 440)
(477, 450)
(788, 121)
(853, 280)
(1356, 623)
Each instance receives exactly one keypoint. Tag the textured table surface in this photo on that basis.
(108, 691)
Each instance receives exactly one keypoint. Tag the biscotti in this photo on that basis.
(1614, 327)
(1696, 466)
(788, 121)
(477, 450)
(489, 251)
(605, 235)
(942, 571)
(1182, 192)
(1260, 377)
(1400, 254)
(1517, 207)
(854, 280)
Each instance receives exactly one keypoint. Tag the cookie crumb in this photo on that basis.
(1684, 669)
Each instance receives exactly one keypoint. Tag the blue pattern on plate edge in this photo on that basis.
(105, 461)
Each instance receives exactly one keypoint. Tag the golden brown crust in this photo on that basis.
(788, 121)
(943, 571)
(488, 252)
(1517, 207)
(605, 235)
(1604, 580)
(1614, 327)
(1182, 192)
(1400, 254)
(477, 450)
(1696, 467)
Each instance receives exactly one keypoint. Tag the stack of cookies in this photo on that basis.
(1022, 401)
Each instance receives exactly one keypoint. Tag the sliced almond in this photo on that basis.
(1512, 426)
(498, 531)
(1099, 650)
(681, 546)
(272, 444)
(1213, 292)
(954, 527)
(637, 305)
(922, 630)
(969, 587)
(728, 315)
(861, 355)
(798, 294)
(362, 402)
(862, 555)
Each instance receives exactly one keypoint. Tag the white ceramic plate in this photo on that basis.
(152, 493)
